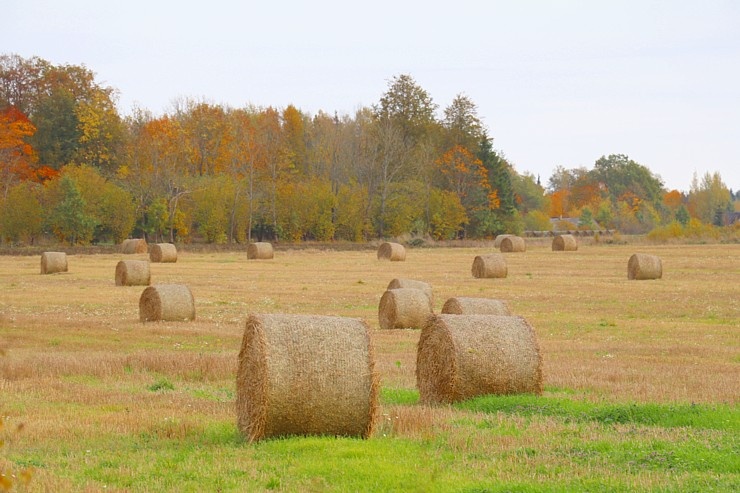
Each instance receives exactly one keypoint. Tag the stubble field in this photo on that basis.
(641, 377)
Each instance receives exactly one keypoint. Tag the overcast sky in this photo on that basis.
(555, 82)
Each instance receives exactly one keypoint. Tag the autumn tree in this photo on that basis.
(409, 106)
(16, 155)
(462, 124)
(709, 198)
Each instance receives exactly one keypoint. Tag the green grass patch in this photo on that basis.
(715, 417)
(399, 396)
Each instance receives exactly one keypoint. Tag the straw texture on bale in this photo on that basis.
(513, 244)
(306, 375)
(133, 273)
(564, 243)
(414, 284)
(463, 356)
(260, 250)
(395, 252)
(171, 302)
(53, 262)
(404, 308)
(492, 265)
(163, 252)
(497, 241)
(475, 306)
(135, 245)
(643, 266)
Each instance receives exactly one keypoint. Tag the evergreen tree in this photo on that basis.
(68, 220)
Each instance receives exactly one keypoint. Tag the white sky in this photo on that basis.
(556, 82)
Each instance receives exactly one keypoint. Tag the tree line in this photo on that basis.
(72, 167)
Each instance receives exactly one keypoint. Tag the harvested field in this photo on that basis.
(92, 385)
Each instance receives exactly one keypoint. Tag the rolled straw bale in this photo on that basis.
(513, 244)
(564, 243)
(497, 241)
(404, 308)
(135, 245)
(306, 375)
(172, 302)
(644, 266)
(412, 283)
(133, 273)
(395, 252)
(163, 252)
(475, 306)
(260, 250)
(492, 265)
(463, 356)
(53, 262)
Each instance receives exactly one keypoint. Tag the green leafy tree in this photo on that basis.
(621, 175)
(682, 215)
(21, 214)
(587, 218)
(68, 219)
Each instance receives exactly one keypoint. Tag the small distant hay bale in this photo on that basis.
(513, 244)
(53, 262)
(135, 245)
(463, 356)
(644, 266)
(404, 308)
(564, 243)
(133, 273)
(306, 375)
(497, 241)
(489, 266)
(414, 284)
(163, 252)
(260, 250)
(170, 302)
(475, 306)
(395, 252)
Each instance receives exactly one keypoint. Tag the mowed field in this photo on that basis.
(641, 377)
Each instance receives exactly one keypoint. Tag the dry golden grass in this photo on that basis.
(74, 345)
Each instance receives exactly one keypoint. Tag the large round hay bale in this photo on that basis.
(306, 375)
(564, 243)
(404, 308)
(163, 252)
(463, 356)
(395, 252)
(644, 266)
(497, 241)
(414, 284)
(260, 250)
(134, 245)
(171, 302)
(475, 306)
(492, 265)
(513, 244)
(133, 273)
(53, 262)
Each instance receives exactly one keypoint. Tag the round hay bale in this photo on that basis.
(644, 266)
(497, 241)
(306, 375)
(135, 245)
(163, 252)
(53, 262)
(475, 306)
(260, 250)
(395, 252)
(463, 356)
(513, 244)
(404, 308)
(564, 243)
(411, 283)
(489, 266)
(172, 302)
(133, 273)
